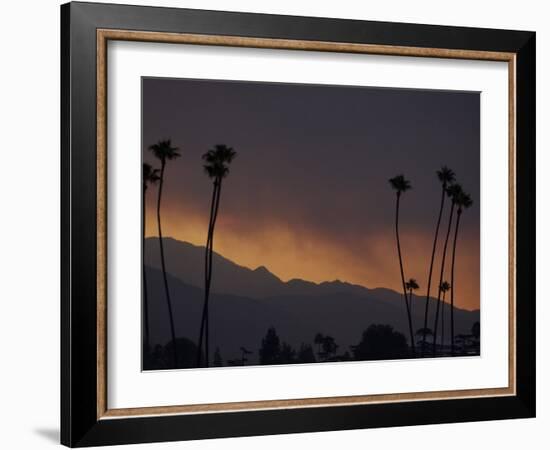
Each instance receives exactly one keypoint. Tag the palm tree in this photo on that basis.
(164, 151)
(443, 287)
(446, 176)
(411, 286)
(150, 176)
(463, 201)
(453, 191)
(400, 185)
(216, 167)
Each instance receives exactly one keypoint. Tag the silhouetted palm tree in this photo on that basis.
(446, 176)
(164, 151)
(463, 201)
(453, 191)
(411, 286)
(443, 287)
(400, 185)
(216, 167)
(150, 176)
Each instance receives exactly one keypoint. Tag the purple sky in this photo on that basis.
(308, 195)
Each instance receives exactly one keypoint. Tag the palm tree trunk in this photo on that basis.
(453, 285)
(207, 330)
(443, 322)
(145, 300)
(441, 273)
(206, 275)
(411, 303)
(431, 269)
(168, 300)
(402, 273)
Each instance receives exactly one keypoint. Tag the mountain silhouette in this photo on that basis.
(186, 262)
(246, 302)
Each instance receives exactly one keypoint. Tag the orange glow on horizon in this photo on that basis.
(292, 253)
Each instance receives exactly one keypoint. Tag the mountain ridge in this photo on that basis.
(185, 261)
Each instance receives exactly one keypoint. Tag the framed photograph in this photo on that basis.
(276, 224)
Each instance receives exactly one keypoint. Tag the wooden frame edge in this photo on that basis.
(103, 35)
(211, 408)
(290, 44)
(512, 200)
(101, 225)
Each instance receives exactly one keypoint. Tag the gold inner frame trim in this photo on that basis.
(103, 36)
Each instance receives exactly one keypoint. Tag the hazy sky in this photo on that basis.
(308, 194)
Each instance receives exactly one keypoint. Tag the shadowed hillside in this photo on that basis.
(245, 303)
(186, 262)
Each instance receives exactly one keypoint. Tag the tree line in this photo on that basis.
(459, 201)
(377, 342)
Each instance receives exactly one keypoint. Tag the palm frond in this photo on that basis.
(464, 200)
(454, 191)
(412, 284)
(150, 175)
(400, 184)
(217, 161)
(446, 175)
(163, 150)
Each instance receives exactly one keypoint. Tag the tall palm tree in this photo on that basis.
(453, 191)
(216, 166)
(150, 177)
(411, 286)
(444, 288)
(400, 185)
(164, 151)
(463, 201)
(446, 176)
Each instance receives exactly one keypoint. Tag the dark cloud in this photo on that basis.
(315, 160)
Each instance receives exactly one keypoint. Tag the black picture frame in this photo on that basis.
(80, 425)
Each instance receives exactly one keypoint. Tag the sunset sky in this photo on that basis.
(308, 194)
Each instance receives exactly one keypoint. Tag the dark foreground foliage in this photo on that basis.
(377, 342)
